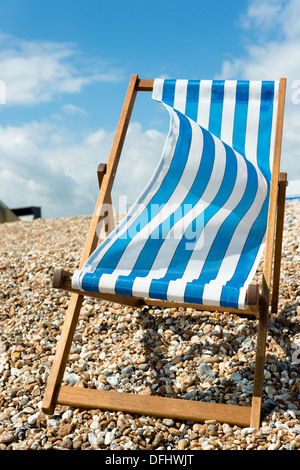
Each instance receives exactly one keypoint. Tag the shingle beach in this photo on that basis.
(172, 352)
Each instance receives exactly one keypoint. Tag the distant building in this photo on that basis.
(6, 215)
(21, 213)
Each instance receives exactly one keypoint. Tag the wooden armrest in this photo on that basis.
(101, 170)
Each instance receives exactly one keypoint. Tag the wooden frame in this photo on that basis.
(258, 301)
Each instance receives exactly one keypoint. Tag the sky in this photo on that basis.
(65, 67)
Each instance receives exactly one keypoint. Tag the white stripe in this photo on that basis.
(242, 298)
(253, 121)
(274, 120)
(180, 95)
(228, 111)
(204, 103)
(77, 279)
(158, 87)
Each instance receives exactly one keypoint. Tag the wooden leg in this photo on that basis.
(278, 240)
(106, 175)
(62, 354)
(259, 365)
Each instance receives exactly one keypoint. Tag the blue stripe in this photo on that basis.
(265, 128)
(90, 281)
(240, 116)
(169, 92)
(216, 107)
(192, 99)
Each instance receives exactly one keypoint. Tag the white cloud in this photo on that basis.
(280, 16)
(40, 167)
(274, 54)
(141, 153)
(46, 163)
(264, 13)
(36, 71)
(72, 109)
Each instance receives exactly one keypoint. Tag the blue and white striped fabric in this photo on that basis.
(197, 232)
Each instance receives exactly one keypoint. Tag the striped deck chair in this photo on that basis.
(196, 234)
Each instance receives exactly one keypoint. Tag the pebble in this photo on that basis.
(205, 373)
(92, 438)
(67, 415)
(33, 418)
(113, 380)
(236, 377)
(190, 354)
(6, 438)
(108, 438)
(182, 444)
(246, 431)
(53, 423)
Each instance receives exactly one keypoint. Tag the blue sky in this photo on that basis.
(66, 66)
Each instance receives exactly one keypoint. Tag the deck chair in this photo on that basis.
(196, 234)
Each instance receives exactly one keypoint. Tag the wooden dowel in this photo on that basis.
(62, 280)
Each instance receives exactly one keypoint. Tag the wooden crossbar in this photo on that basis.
(145, 85)
(174, 408)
